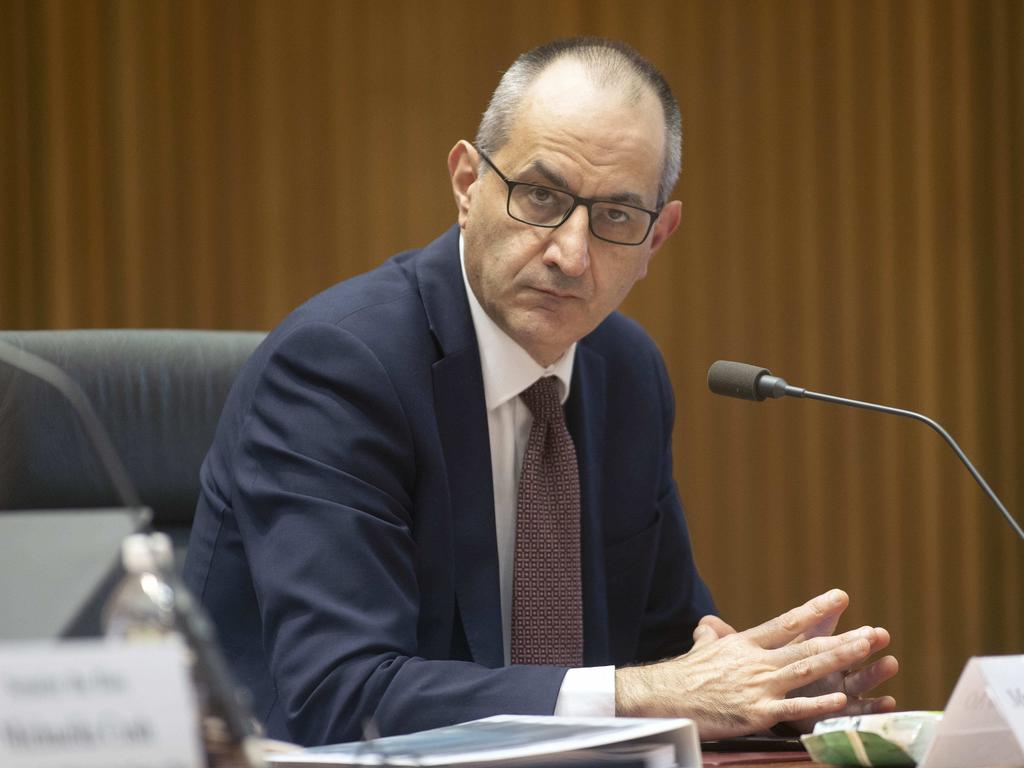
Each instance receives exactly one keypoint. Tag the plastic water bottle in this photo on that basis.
(142, 605)
(152, 603)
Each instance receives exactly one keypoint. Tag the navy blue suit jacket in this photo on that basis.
(344, 540)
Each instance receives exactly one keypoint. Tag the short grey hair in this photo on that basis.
(610, 63)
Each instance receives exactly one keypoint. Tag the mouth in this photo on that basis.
(553, 292)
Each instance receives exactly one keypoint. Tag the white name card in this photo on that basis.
(983, 724)
(97, 704)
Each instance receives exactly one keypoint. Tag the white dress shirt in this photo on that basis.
(507, 370)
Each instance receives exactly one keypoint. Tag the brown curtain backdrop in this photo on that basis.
(853, 193)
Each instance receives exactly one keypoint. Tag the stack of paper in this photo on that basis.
(521, 741)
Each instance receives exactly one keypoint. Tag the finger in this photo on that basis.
(881, 641)
(794, 652)
(806, 708)
(869, 706)
(870, 677)
(720, 627)
(823, 628)
(853, 707)
(702, 635)
(782, 629)
(807, 670)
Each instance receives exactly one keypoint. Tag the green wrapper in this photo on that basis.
(895, 738)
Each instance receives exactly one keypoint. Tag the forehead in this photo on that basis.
(596, 134)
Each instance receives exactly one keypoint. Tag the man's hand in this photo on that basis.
(853, 683)
(732, 683)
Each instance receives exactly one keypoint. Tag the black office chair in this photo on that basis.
(158, 392)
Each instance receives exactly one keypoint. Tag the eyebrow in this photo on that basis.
(557, 180)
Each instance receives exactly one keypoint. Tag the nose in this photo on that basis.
(569, 248)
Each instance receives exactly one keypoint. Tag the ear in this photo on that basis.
(666, 224)
(462, 164)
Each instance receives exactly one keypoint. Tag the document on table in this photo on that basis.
(520, 740)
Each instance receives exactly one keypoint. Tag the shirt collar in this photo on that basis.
(507, 368)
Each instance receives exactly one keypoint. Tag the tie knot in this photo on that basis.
(542, 398)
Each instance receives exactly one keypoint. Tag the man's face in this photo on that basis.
(547, 288)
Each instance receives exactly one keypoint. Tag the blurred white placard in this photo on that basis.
(97, 704)
(983, 724)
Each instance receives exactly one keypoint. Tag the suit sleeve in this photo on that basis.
(326, 469)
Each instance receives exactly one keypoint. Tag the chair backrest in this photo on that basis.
(158, 392)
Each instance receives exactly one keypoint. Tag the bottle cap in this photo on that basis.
(142, 552)
(137, 555)
(163, 550)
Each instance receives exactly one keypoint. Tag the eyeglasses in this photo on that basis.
(542, 206)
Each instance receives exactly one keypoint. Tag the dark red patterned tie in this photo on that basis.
(547, 606)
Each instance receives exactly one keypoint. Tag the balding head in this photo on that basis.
(612, 66)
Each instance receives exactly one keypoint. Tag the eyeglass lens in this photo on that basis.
(546, 207)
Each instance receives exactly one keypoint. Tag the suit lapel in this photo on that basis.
(462, 426)
(585, 417)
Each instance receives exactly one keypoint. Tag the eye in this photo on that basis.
(616, 216)
(540, 196)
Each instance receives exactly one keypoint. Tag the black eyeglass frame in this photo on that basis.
(577, 201)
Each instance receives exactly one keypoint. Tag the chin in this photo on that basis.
(541, 329)
(547, 347)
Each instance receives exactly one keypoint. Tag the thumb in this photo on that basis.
(702, 635)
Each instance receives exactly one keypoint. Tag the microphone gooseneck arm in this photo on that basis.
(41, 369)
(798, 392)
(750, 382)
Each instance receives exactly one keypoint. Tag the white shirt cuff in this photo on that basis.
(587, 692)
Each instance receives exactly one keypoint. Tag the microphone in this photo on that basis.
(751, 382)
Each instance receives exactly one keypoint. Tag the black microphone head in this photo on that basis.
(736, 379)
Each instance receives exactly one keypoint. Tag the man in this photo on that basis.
(399, 519)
